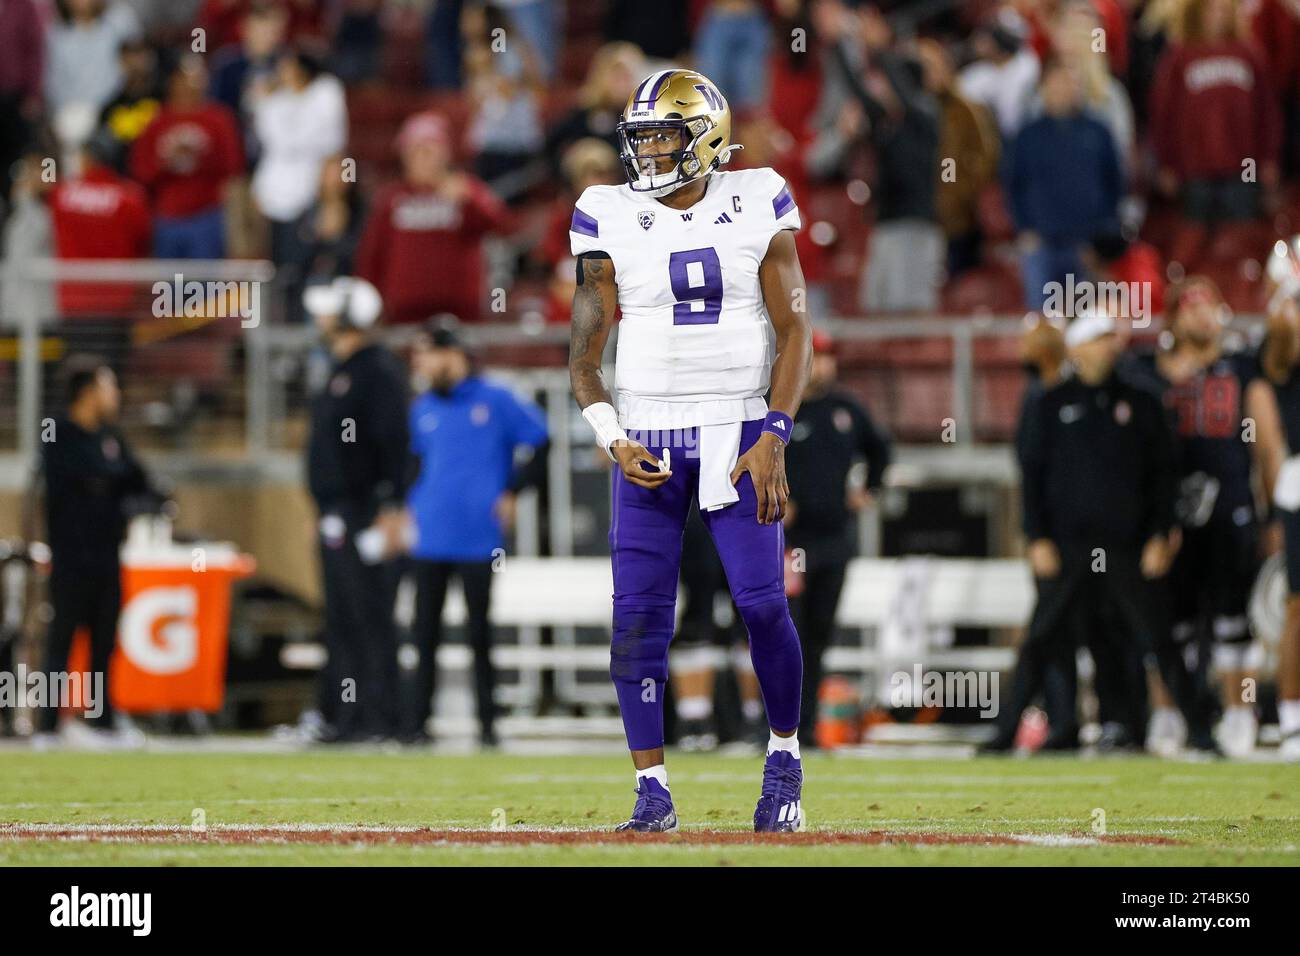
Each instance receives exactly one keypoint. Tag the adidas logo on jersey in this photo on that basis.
(721, 219)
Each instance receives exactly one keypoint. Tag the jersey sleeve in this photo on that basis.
(776, 195)
(585, 226)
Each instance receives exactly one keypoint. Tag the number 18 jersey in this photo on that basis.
(695, 343)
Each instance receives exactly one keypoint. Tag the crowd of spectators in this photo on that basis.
(945, 155)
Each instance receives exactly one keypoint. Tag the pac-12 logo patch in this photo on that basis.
(646, 217)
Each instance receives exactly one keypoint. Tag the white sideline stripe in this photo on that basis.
(1051, 839)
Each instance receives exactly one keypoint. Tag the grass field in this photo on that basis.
(320, 807)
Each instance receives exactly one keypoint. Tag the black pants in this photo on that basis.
(1119, 670)
(813, 612)
(1066, 608)
(358, 691)
(82, 598)
(431, 579)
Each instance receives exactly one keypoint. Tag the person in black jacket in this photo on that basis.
(90, 477)
(357, 468)
(1098, 468)
(831, 434)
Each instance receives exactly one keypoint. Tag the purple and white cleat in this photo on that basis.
(780, 807)
(653, 812)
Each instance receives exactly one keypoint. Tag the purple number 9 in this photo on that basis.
(707, 288)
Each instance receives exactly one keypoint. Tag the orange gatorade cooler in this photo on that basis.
(174, 628)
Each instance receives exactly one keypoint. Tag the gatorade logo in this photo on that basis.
(158, 632)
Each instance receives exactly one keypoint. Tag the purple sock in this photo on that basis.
(778, 663)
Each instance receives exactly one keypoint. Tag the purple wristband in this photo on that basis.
(779, 424)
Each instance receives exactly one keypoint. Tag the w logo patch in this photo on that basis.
(721, 219)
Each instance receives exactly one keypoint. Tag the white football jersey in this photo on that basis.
(695, 343)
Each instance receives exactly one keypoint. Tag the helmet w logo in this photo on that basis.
(711, 95)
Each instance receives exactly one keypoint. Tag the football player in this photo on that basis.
(702, 265)
(1230, 435)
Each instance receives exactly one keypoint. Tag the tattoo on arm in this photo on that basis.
(593, 316)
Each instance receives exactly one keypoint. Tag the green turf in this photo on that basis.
(1221, 813)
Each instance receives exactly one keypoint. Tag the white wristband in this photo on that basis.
(604, 422)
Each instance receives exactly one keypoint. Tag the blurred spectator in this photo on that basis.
(732, 44)
(99, 214)
(242, 75)
(28, 234)
(184, 159)
(901, 119)
(661, 29)
(241, 72)
(1043, 16)
(22, 39)
(1058, 206)
(434, 215)
(335, 226)
(969, 139)
(613, 73)
(1104, 96)
(358, 41)
(167, 24)
(1215, 125)
(300, 123)
(444, 44)
(796, 74)
(1004, 72)
(539, 23)
(588, 162)
(504, 90)
(1276, 27)
(222, 20)
(82, 46)
(129, 113)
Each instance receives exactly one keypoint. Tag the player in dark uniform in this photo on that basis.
(1280, 361)
(1226, 421)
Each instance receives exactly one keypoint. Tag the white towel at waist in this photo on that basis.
(719, 450)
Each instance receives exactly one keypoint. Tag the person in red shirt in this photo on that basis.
(1215, 123)
(184, 158)
(99, 215)
(422, 245)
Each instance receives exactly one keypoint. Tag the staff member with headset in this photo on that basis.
(465, 431)
(356, 468)
(1097, 457)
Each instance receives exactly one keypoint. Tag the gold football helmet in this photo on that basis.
(675, 128)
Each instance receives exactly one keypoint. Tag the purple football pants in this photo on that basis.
(645, 541)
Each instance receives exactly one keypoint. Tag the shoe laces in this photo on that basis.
(650, 804)
(779, 780)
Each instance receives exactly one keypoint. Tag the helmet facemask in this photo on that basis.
(659, 155)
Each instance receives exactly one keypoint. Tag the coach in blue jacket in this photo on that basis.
(465, 432)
